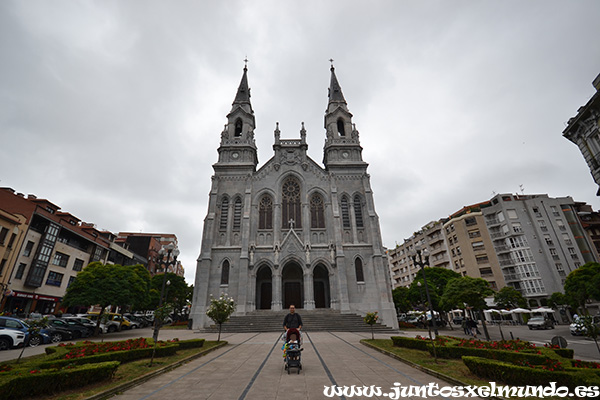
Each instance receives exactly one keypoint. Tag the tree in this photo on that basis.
(583, 284)
(220, 310)
(371, 319)
(401, 300)
(178, 295)
(104, 285)
(466, 291)
(509, 297)
(437, 279)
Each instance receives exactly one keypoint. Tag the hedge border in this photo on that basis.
(50, 381)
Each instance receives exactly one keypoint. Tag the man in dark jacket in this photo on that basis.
(292, 322)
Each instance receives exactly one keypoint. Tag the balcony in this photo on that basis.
(502, 248)
(492, 221)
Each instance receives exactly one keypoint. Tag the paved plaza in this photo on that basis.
(251, 367)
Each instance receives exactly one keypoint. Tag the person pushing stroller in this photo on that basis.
(292, 323)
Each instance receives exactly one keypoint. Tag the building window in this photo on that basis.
(54, 278)
(28, 249)
(548, 240)
(474, 234)
(291, 216)
(78, 265)
(517, 227)
(512, 214)
(478, 245)
(485, 272)
(469, 221)
(317, 211)
(567, 239)
(60, 259)
(483, 259)
(265, 213)
(358, 216)
(71, 280)
(237, 214)
(3, 233)
(20, 271)
(537, 212)
(224, 214)
(358, 268)
(2, 264)
(542, 225)
(345, 212)
(225, 273)
(554, 211)
(561, 225)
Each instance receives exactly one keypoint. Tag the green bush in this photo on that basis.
(516, 375)
(121, 356)
(28, 383)
(410, 343)
(191, 344)
(501, 355)
(566, 353)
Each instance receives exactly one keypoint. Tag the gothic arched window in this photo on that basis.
(238, 128)
(358, 268)
(265, 213)
(237, 214)
(340, 127)
(290, 210)
(345, 212)
(358, 216)
(225, 273)
(224, 214)
(317, 211)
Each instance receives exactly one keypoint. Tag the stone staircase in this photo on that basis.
(313, 320)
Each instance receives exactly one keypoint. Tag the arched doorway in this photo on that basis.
(321, 287)
(292, 284)
(264, 288)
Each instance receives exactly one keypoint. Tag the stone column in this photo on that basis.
(309, 293)
(277, 296)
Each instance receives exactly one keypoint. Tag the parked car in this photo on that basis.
(10, 339)
(77, 329)
(139, 321)
(107, 325)
(577, 328)
(82, 320)
(41, 337)
(540, 323)
(55, 335)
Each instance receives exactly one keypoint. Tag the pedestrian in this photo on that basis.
(292, 323)
(472, 325)
(466, 329)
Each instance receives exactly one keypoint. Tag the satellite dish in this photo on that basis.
(559, 341)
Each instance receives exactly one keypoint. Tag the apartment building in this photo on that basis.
(430, 237)
(538, 241)
(148, 245)
(471, 249)
(584, 130)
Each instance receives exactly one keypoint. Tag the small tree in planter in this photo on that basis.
(371, 319)
(220, 310)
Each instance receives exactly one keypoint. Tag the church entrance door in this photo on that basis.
(321, 287)
(264, 288)
(292, 280)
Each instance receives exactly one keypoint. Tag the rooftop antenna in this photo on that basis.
(522, 189)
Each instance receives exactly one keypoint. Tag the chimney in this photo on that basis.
(21, 195)
(31, 197)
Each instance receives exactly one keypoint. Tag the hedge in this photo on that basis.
(29, 383)
(566, 353)
(502, 355)
(190, 344)
(516, 375)
(410, 343)
(123, 356)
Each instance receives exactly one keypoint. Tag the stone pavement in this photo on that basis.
(251, 367)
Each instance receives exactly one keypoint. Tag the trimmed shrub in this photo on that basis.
(410, 343)
(502, 355)
(518, 375)
(191, 344)
(566, 353)
(28, 383)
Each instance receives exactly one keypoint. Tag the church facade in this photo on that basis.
(292, 231)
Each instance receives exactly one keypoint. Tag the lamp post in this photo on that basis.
(421, 258)
(167, 256)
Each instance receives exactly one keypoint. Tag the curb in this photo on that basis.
(137, 381)
(428, 371)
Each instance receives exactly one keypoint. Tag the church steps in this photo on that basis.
(313, 320)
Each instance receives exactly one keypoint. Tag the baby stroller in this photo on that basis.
(292, 351)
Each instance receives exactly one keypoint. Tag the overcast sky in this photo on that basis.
(113, 109)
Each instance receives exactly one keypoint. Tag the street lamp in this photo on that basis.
(167, 256)
(421, 258)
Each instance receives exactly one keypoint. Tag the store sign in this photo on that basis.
(34, 296)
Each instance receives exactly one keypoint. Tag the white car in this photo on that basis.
(11, 338)
(577, 328)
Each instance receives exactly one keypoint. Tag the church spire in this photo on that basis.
(336, 97)
(242, 97)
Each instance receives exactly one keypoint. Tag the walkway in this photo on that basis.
(251, 367)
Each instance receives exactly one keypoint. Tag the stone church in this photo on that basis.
(292, 231)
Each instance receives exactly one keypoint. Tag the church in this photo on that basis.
(292, 231)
